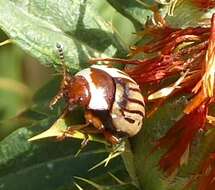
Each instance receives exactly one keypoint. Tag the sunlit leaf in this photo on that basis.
(45, 23)
(136, 12)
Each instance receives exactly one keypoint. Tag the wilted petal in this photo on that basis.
(164, 92)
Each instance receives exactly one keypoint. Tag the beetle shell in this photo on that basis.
(114, 92)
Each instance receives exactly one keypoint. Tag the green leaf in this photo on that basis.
(125, 186)
(186, 14)
(48, 165)
(136, 12)
(145, 165)
(12, 90)
(38, 111)
(37, 26)
(59, 127)
(128, 159)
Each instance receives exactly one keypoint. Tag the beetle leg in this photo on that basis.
(87, 129)
(73, 128)
(91, 118)
(70, 130)
(83, 144)
(96, 122)
(111, 138)
(55, 99)
(85, 141)
(90, 130)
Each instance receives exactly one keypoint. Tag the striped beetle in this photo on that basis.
(112, 101)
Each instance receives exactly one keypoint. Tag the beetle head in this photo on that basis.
(74, 88)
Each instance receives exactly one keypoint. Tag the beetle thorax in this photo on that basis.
(76, 91)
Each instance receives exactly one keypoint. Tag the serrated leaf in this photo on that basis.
(48, 165)
(37, 26)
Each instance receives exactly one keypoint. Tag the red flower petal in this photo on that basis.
(179, 137)
(205, 4)
(206, 181)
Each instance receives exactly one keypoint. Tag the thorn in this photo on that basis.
(105, 161)
(97, 186)
(116, 179)
(78, 186)
(83, 144)
(8, 41)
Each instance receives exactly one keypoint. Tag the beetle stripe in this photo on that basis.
(133, 111)
(129, 120)
(134, 89)
(135, 101)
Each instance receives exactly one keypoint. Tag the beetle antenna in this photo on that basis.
(59, 95)
(61, 56)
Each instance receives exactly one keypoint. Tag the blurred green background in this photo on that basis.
(21, 75)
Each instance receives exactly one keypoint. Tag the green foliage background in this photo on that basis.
(86, 29)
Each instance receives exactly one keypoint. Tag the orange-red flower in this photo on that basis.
(186, 57)
(205, 4)
(182, 134)
(179, 138)
(205, 179)
(207, 174)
